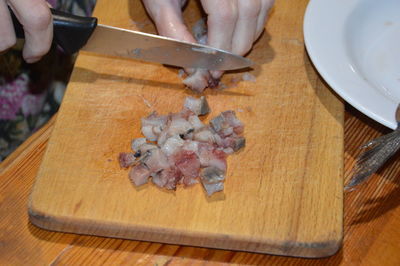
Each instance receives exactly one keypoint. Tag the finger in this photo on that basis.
(36, 19)
(246, 25)
(7, 34)
(221, 21)
(167, 15)
(262, 18)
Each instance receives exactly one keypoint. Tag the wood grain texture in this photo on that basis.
(371, 221)
(283, 193)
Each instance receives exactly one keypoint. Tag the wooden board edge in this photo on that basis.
(30, 145)
(48, 221)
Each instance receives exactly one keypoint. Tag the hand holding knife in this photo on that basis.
(74, 33)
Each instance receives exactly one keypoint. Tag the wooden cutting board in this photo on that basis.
(283, 193)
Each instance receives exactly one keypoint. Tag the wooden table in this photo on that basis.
(372, 219)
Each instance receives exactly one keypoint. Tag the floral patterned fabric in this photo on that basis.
(30, 94)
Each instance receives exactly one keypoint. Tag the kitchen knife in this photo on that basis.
(73, 33)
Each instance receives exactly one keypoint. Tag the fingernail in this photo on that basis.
(31, 60)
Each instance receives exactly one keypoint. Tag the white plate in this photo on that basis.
(355, 46)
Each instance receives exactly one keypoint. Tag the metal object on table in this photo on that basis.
(378, 151)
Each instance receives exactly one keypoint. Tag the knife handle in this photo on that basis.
(70, 32)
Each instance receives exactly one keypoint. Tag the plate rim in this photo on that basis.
(313, 7)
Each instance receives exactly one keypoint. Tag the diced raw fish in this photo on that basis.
(235, 142)
(225, 120)
(156, 161)
(195, 122)
(212, 175)
(171, 176)
(147, 131)
(190, 145)
(198, 80)
(179, 126)
(126, 159)
(139, 174)
(172, 144)
(184, 150)
(209, 156)
(197, 106)
(212, 188)
(249, 77)
(154, 120)
(188, 163)
(136, 143)
(232, 120)
(205, 135)
(147, 147)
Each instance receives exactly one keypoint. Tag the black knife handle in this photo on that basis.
(70, 32)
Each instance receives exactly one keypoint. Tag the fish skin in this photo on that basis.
(378, 152)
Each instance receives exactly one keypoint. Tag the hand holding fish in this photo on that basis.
(233, 25)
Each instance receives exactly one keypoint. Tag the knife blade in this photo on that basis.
(74, 33)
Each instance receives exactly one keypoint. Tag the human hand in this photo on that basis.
(233, 25)
(36, 19)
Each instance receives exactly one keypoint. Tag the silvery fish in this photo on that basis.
(378, 151)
